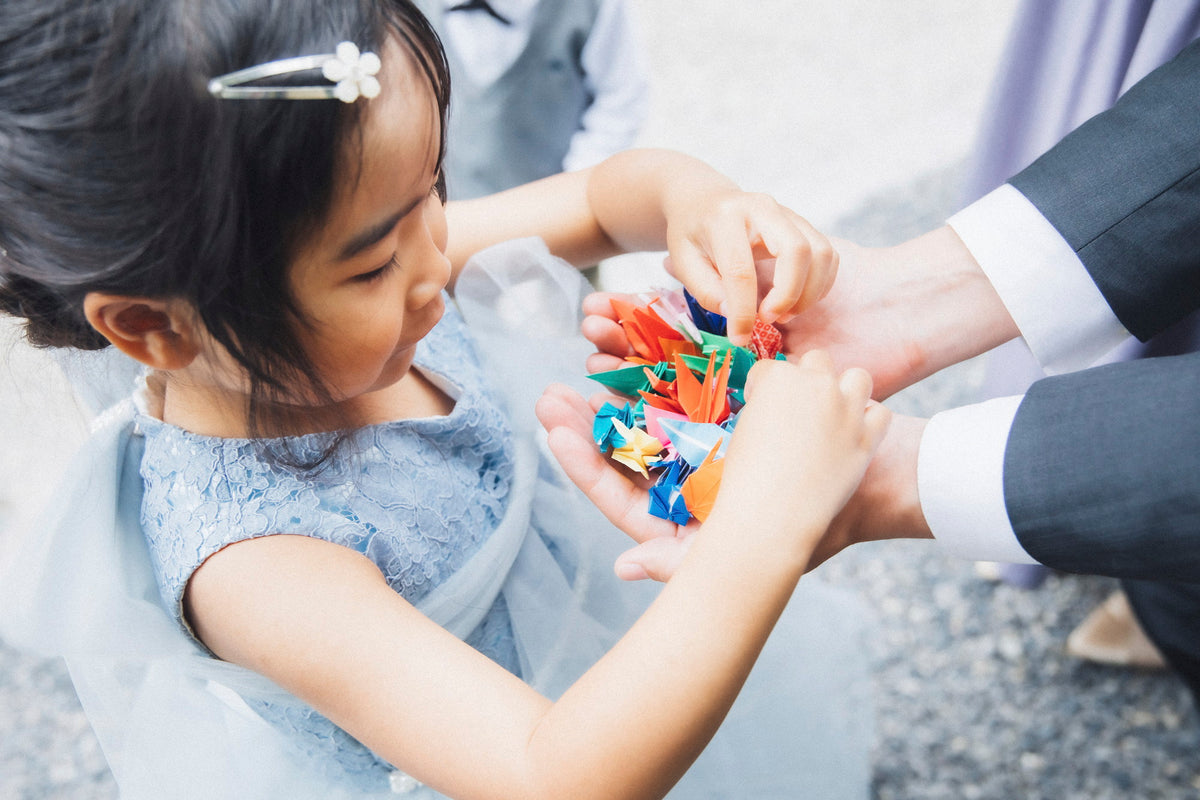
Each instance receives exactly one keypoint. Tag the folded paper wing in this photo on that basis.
(700, 489)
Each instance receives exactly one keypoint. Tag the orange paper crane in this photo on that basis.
(650, 337)
(700, 489)
(707, 400)
(662, 394)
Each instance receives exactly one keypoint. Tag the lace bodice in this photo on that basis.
(416, 496)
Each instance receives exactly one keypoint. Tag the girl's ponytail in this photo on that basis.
(50, 321)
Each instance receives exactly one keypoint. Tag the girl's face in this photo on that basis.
(369, 281)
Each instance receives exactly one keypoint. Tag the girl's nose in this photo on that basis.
(434, 275)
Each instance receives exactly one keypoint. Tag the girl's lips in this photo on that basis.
(436, 310)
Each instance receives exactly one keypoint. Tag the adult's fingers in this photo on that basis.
(606, 335)
(603, 362)
(562, 407)
(656, 559)
(615, 495)
(600, 304)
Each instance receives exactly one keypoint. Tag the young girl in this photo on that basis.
(358, 561)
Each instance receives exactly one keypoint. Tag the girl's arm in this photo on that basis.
(555, 209)
(723, 243)
(319, 620)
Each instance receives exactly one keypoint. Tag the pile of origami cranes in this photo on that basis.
(688, 379)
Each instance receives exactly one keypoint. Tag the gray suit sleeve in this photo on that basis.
(1124, 190)
(1102, 467)
(1102, 470)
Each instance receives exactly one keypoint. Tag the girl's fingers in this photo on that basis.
(822, 270)
(688, 265)
(757, 373)
(817, 359)
(734, 260)
(876, 420)
(792, 272)
(856, 384)
(826, 254)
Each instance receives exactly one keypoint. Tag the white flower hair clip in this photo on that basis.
(351, 72)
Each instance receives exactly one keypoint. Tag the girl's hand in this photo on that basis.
(729, 247)
(733, 249)
(801, 447)
(802, 443)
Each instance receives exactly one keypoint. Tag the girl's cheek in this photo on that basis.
(435, 220)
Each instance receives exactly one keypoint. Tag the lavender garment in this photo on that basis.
(1065, 62)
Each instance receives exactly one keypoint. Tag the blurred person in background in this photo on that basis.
(540, 87)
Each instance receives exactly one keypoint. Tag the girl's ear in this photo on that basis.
(159, 333)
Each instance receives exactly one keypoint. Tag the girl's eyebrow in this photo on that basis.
(373, 234)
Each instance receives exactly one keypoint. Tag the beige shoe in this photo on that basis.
(1111, 635)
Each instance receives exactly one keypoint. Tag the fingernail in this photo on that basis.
(631, 571)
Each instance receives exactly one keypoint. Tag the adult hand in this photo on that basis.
(902, 313)
(620, 494)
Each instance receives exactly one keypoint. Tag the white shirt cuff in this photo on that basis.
(960, 481)
(1061, 313)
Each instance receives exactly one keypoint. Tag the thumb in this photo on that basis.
(656, 559)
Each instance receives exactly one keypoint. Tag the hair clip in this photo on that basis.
(352, 73)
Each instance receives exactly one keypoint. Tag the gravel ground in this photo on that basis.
(975, 697)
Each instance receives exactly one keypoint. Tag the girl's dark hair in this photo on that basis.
(120, 173)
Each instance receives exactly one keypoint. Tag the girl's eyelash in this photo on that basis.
(375, 274)
(439, 188)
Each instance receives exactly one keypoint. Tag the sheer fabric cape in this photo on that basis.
(173, 722)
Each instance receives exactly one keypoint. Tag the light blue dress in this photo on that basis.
(467, 516)
(416, 496)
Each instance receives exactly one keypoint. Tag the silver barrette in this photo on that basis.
(352, 73)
